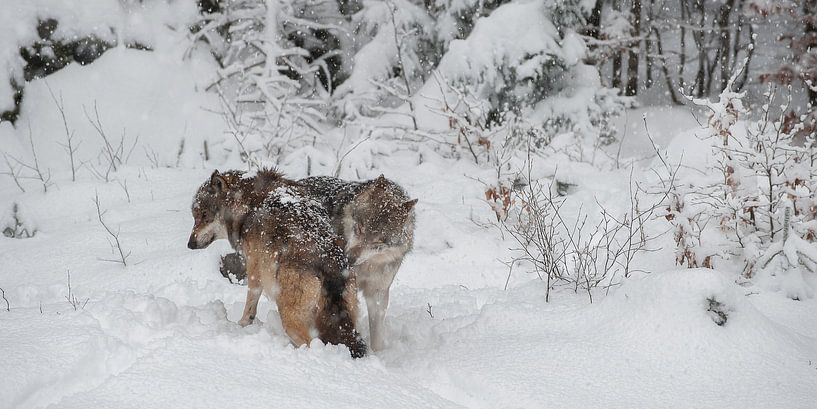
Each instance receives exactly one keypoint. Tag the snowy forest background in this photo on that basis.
(614, 197)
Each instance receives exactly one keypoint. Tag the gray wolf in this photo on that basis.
(376, 219)
(291, 253)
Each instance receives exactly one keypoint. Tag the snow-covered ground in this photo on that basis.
(161, 332)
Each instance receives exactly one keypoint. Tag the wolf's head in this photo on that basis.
(210, 206)
(382, 214)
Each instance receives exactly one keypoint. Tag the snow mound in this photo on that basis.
(698, 308)
(151, 24)
(654, 342)
(149, 102)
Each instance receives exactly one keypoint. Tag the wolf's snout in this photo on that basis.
(191, 243)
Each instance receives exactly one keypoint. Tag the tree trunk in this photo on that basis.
(617, 58)
(740, 25)
(725, 33)
(810, 16)
(664, 69)
(750, 51)
(594, 21)
(649, 47)
(698, 37)
(635, 45)
(682, 53)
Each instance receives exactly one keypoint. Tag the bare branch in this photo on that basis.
(8, 306)
(114, 235)
(72, 299)
(69, 146)
(14, 173)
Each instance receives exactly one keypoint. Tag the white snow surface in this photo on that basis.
(153, 23)
(161, 332)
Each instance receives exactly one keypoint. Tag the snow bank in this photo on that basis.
(651, 343)
(149, 101)
(151, 23)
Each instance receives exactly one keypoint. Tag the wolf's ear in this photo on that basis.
(218, 182)
(409, 205)
(381, 180)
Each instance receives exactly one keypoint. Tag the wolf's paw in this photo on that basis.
(246, 321)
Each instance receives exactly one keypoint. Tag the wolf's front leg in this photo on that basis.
(377, 301)
(253, 293)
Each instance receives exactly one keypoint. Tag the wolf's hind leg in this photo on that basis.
(298, 301)
(253, 291)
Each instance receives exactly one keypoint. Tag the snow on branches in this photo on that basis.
(764, 202)
(271, 88)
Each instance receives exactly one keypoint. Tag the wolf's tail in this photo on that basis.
(336, 324)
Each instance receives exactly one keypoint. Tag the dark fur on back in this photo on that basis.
(332, 192)
(320, 249)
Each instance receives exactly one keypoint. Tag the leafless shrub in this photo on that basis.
(75, 302)
(124, 185)
(3, 293)
(535, 234)
(340, 158)
(578, 253)
(465, 113)
(114, 236)
(239, 128)
(69, 146)
(16, 169)
(152, 156)
(113, 154)
(15, 172)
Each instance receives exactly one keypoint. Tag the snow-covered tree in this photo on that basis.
(272, 88)
(397, 54)
(764, 203)
(526, 59)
